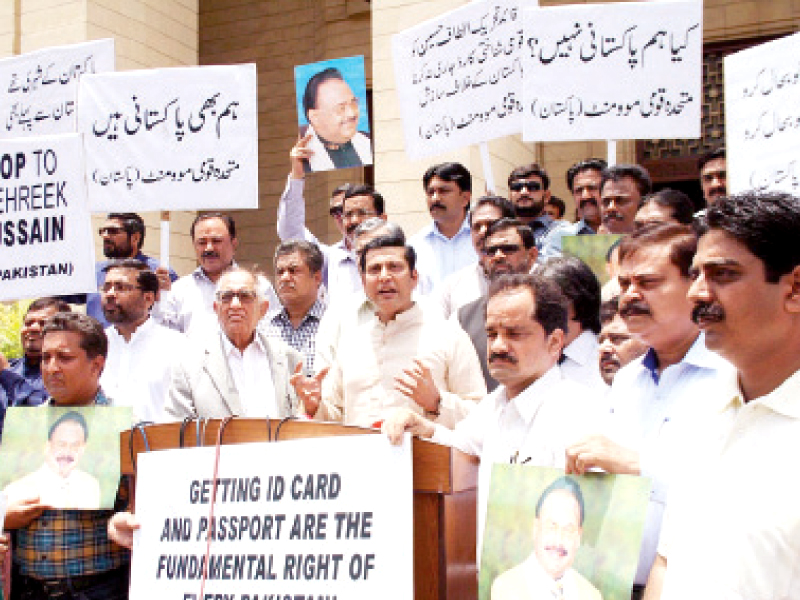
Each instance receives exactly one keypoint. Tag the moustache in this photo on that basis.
(633, 308)
(439, 205)
(613, 216)
(562, 552)
(502, 356)
(607, 356)
(591, 201)
(210, 254)
(706, 311)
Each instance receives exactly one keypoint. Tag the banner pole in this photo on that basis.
(164, 239)
(487, 168)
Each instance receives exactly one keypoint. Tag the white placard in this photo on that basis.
(38, 90)
(762, 117)
(325, 517)
(630, 70)
(171, 139)
(459, 77)
(46, 242)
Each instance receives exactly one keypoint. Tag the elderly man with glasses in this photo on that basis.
(240, 371)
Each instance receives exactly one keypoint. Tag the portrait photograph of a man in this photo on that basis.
(332, 114)
(550, 536)
(69, 459)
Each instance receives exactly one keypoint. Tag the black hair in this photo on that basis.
(709, 156)
(46, 302)
(550, 310)
(145, 278)
(636, 172)
(593, 164)
(566, 484)
(93, 339)
(310, 94)
(608, 310)
(312, 255)
(580, 285)
(531, 170)
(680, 204)
(681, 239)
(387, 242)
(504, 205)
(449, 171)
(525, 232)
(227, 219)
(131, 223)
(71, 416)
(559, 204)
(362, 189)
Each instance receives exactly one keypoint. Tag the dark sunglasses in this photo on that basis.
(518, 186)
(336, 211)
(506, 249)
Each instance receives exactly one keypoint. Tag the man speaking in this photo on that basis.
(333, 139)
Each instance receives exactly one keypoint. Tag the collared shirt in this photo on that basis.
(459, 289)
(138, 372)
(77, 490)
(344, 278)
(303, 337)
(16, 391)
(252, 377)
(657, 415)
(70, 543)
(439, 256)
(732, 528)
(361, 385)
(31, 372)
(535, 427)
(189, 306)
(292, 221)
(582, 362)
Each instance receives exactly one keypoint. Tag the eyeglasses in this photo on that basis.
(119, 286)
(335, 211)
(110, 230)
(358, 213)
(506, 249)
(244, 296)
(518, 186)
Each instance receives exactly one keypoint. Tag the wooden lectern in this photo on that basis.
(445, 485)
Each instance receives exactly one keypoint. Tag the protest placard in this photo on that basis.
(547, 531)
(459, 77)
(170, 139)
(630, 70)
(38, 90)
(762, 117)
(332, 113)
(68, 457)
(300, 519)
(46, 240)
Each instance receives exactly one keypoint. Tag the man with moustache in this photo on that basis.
(471, 282)
(445, 246)
(655, 400)
(713, 176)
(547, 573)
(298, 275)
(507, 249)
(123, 237)
(528, 190)
(141, 352)
(618, 346)
(534, 414)
(731, 529)
(188, 305)
(621, 191)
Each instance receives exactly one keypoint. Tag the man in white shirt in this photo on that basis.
(241, 371)
(188, 304)
(658, 400)
(732, 529)
(445, 246)
(579, 361)
(535, 414)
(140, 351)
(394, 352)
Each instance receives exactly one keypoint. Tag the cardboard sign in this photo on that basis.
(459, 77)
(171, 139)
(46, 242)
(762, 117)
(547, 531)
(630, 70)
(326, 517)
(38, 90)
(66, 456)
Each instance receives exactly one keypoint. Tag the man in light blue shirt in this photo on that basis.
(660, 402)
(445, 246)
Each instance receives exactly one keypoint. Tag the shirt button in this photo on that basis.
(44, 557)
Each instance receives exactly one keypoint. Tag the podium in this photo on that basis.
(445, 491)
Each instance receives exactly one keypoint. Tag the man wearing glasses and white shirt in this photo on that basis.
(240, 372)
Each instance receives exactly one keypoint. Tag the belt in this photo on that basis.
(65, 588)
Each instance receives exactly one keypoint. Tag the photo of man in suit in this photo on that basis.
(547, 574)
(332, 139)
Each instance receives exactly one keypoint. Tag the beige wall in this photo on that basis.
(147, 34)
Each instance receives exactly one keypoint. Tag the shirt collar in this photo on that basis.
(141, 331)
(433, 230)
(100, 399)
(198, 273)
(230, 349)
(698, 356)
(583, 349)
(531, 398)
(315, 312)
(785, 399)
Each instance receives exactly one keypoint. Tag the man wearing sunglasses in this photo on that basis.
(123, 237)
(240, 371)
(528, 190)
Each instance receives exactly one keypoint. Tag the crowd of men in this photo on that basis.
(478, 332)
